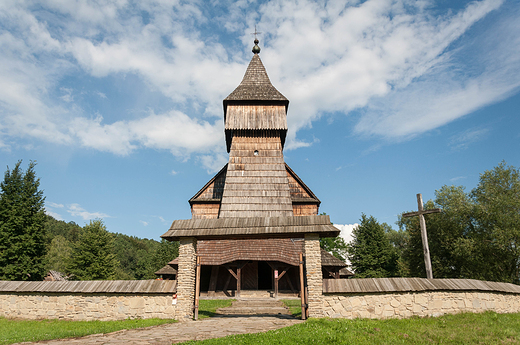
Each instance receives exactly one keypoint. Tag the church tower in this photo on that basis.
(255, 117)
(256, 182)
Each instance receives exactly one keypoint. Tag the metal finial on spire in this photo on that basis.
(256, 48)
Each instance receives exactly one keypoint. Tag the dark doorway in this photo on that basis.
(265, 276)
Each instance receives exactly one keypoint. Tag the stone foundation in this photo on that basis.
(86, 306)
(402, 305)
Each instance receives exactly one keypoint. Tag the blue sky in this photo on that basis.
(120, 102)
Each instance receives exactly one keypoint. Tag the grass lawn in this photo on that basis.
(14, 331)
(468, 328)
(207, 307)
(295, 307)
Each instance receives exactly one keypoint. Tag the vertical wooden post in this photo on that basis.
(424, 236)
(239, 279)
(276, 283)
(302, 288)
(197, 288)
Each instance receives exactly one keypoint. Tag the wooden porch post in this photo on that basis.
(302, 289)
(197, 288)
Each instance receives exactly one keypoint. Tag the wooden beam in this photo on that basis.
(302, 289)
(424, 235)
(197, 289)
(239, 280)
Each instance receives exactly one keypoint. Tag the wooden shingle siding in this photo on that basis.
(205, 211)
(219, 252)
(93, 286)
(379, 285)
(256, 117)
(262, 172)
(305, 209)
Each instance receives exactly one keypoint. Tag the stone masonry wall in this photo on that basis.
(86, 306)
(186, 278)
(314, 275)
(407, 304)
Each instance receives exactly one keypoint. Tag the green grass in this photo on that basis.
(486, 328)
(14, 330)
(295, 307)
(207, 307)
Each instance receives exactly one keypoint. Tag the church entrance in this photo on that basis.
(222, 280)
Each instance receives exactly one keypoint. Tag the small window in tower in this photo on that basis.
(255, 153)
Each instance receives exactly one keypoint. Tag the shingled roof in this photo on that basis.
(255, 86)
(249, 227)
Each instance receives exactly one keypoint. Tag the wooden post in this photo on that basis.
(276, 283)
(302, 289)
(197, 288)
(424, 235)
(239, 279)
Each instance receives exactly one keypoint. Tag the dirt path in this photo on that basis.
(214, 327)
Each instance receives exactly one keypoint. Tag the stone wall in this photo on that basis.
(407, 304)
(86, 306)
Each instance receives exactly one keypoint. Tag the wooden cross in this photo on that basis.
(424, 236)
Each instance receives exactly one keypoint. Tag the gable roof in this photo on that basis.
(217, 197)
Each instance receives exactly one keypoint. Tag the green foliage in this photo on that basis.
(58, 256)
(93, 257)
(482, 328)
(370, 252)
(15, 331)
(70, 231)
(478, 233)
(22, 232)
(335, 245)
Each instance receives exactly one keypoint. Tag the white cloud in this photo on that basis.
(76, 210)
(462, 140)
(397, 62)
(143, 222)
(54, 214)
(346, 231)
(54, 205)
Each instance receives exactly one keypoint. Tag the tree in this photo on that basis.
(370, 251)
(497, 223)
(335, 245)
(477, 235)
(58, 255)
(165, 252)
(93, 255)
(22, 232)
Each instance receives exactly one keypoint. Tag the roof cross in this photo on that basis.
(255, 33)
(424, 235)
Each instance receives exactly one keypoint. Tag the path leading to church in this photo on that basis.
(215, 327)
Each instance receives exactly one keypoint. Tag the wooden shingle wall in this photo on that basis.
(256, 185)
(256, 117)
(205, 211)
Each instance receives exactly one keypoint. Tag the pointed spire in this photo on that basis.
(255, 85)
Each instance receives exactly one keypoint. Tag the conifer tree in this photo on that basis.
(370, 251)
(93, 257)
(22, 232)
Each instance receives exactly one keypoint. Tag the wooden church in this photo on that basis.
(249, 221)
